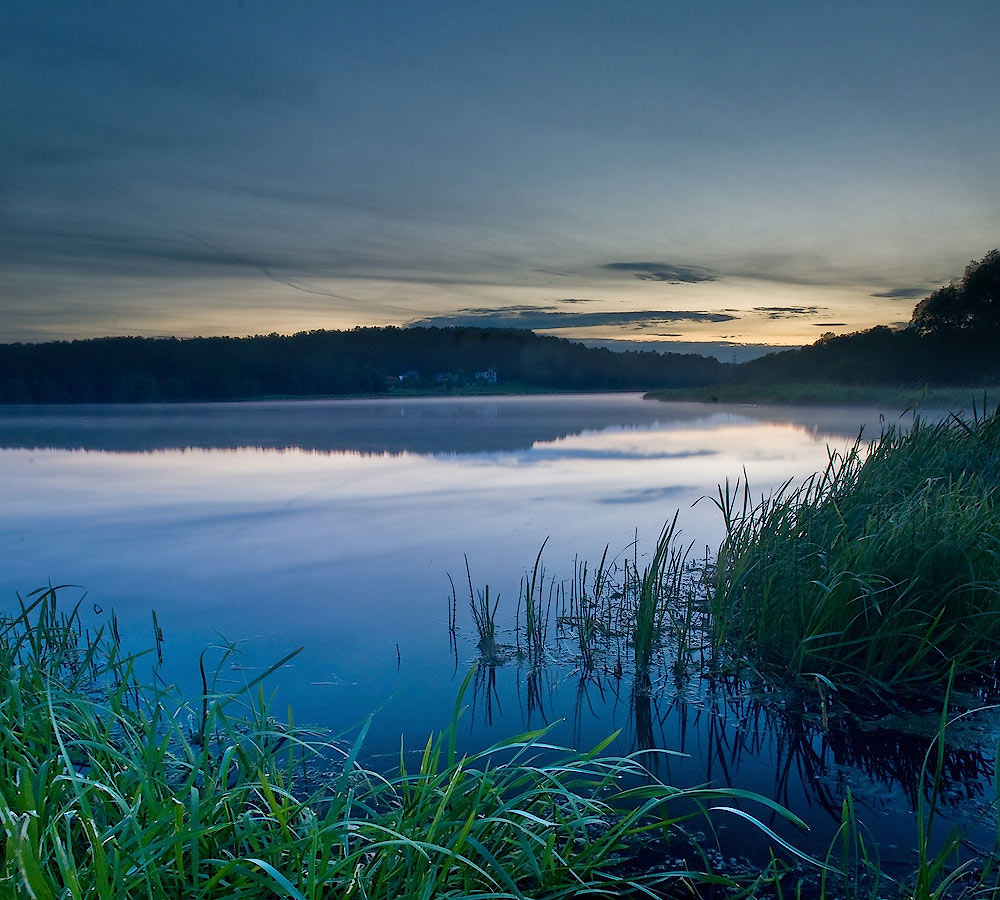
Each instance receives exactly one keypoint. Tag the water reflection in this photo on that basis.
(423, 425)
(719, 733)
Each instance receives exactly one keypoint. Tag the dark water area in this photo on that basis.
(335, 525)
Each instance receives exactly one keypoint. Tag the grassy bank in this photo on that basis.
(880, 575)
(827, 394)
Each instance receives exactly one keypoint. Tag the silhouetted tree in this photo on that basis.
(972, 305)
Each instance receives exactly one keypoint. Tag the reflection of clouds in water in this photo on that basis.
(540, 454)
(647, 495)
(537, 455)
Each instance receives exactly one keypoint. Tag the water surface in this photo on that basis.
(334, 525)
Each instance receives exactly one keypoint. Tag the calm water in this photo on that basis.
(334, 525)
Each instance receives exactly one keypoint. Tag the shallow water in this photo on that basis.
(334, 525)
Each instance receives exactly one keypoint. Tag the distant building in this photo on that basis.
(402, 377)
(487, 376)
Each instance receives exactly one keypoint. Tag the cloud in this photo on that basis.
(661, 271)
(828, 324)
(904, 293)
(576, 300)
(545, 318)
(787, 312)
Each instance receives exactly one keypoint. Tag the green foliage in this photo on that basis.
(112, 789)
(876, 575)
(661, 591)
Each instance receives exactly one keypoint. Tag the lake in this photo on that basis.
(335, 525)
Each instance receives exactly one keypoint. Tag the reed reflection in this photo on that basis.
(728, 733)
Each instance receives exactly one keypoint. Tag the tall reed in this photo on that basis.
(876, 574)
(661, 587)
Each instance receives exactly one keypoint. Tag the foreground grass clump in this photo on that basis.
(877, 575)
(114, 790)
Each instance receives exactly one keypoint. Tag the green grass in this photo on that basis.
(878, 574)
(113, 789)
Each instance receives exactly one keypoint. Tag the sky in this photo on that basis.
(713, 176)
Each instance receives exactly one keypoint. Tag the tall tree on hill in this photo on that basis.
(972, 305)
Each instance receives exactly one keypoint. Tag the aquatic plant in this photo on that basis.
(877, 574)
(483, 616)
(661, 587)
(110, 788)
(535, 619)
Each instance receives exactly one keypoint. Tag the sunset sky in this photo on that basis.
(723, 173)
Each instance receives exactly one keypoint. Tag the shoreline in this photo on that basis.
(955, 399)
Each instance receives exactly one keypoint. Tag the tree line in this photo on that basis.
(317, 363)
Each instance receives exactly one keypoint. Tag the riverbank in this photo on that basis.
(827, 394)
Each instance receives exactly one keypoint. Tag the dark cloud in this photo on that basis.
(542, 318)
(661, 271)
(828, 324)
(576, 300)
(904, 293)
(787, 312)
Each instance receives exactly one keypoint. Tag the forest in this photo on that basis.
(322, 363)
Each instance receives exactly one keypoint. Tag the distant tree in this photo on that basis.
(972, 305)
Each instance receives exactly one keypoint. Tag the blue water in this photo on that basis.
(334, 526)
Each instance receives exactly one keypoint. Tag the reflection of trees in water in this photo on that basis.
(460, 425)
(372, 427)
